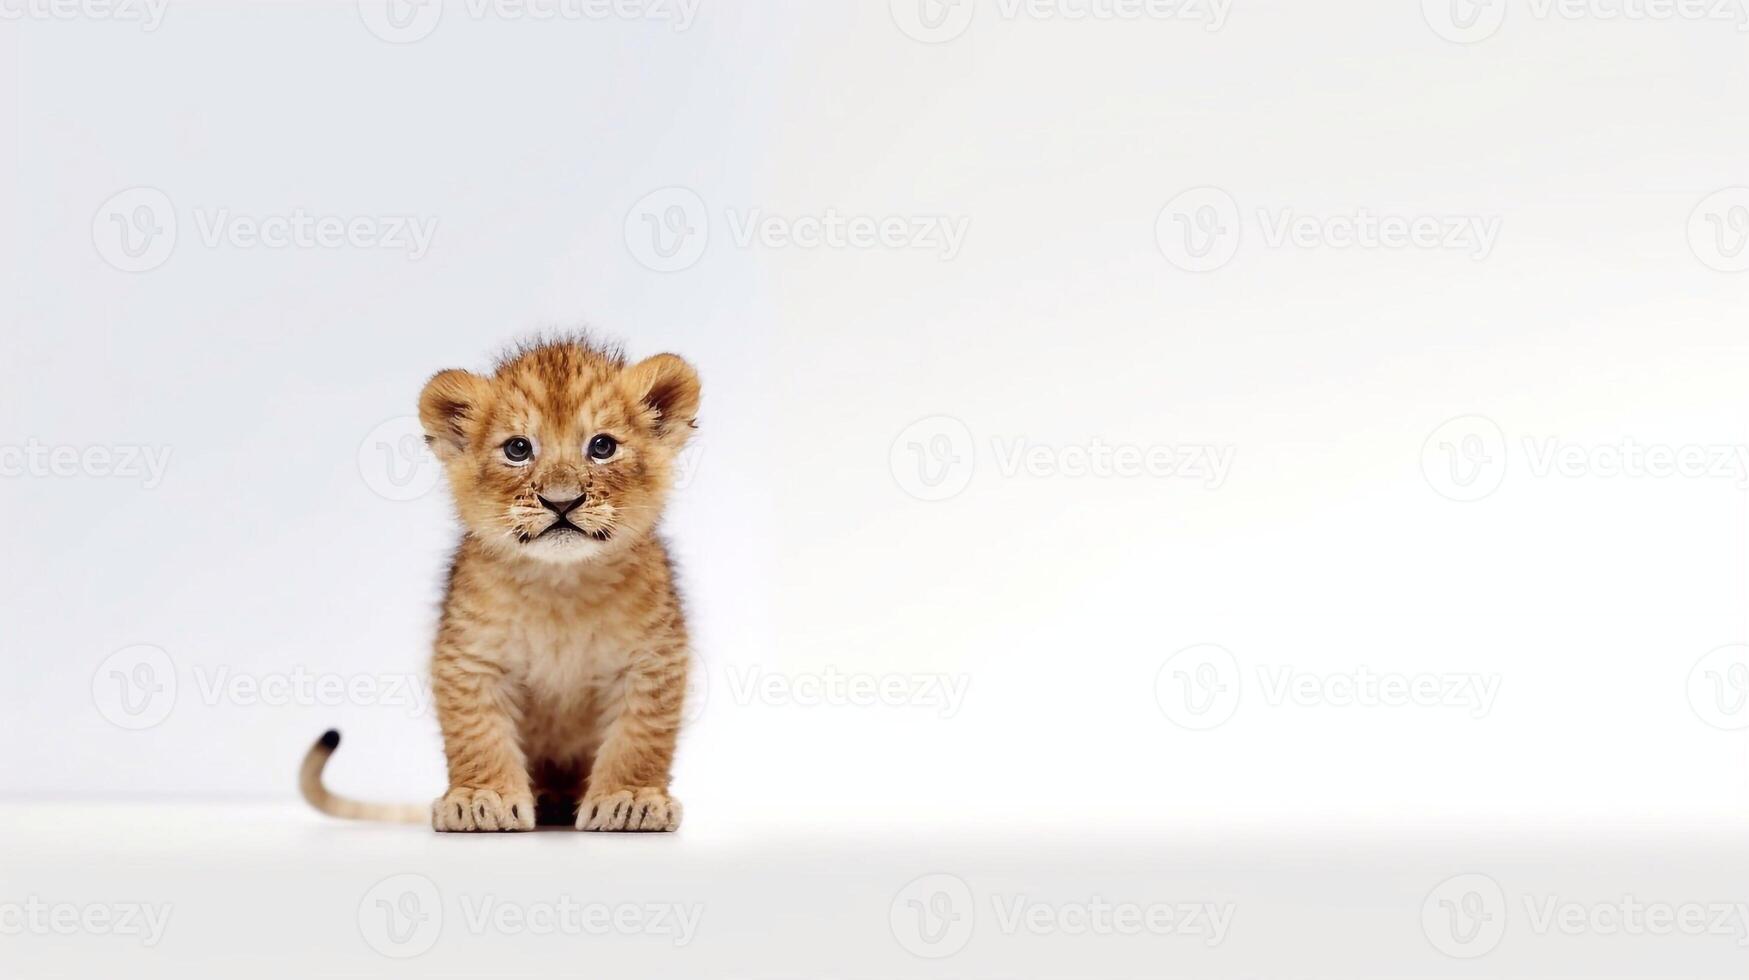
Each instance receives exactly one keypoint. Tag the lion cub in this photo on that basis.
(561, 655)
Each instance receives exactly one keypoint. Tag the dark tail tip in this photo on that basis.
(330, 739)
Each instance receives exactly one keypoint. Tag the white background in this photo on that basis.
(1605, 316)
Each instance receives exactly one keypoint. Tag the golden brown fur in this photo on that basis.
(561, 656)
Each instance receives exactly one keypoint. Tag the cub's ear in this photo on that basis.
(447, 406)
(669, 386)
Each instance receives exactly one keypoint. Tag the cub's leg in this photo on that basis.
(488, 778)
(628, 785)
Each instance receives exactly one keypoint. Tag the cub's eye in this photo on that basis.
(518, 450)
(603, 447)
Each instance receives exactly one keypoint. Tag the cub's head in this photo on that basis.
(566, 452)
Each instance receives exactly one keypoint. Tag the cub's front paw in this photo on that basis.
(468, 809)
(641, 809)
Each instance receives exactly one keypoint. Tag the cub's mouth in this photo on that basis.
(563, 528)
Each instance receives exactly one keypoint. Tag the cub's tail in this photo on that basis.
(310, 782)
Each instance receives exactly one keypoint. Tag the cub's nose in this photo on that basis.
(560, 507)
